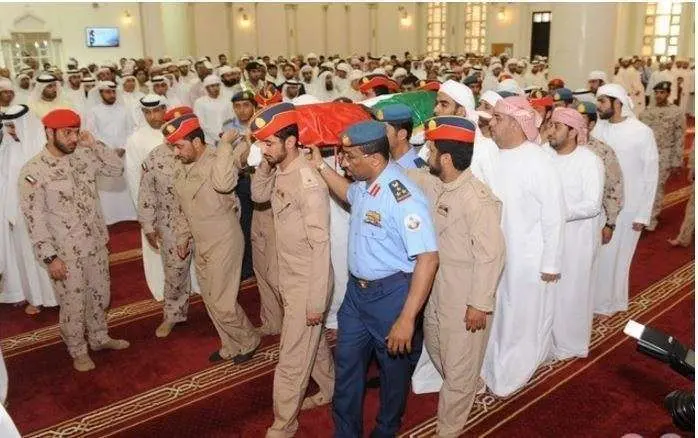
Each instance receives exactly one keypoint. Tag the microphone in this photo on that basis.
(663, 347)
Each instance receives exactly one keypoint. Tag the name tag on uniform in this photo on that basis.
(442, 210)
(373, 218)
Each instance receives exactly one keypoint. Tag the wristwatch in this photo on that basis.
(611, 226)
(49, 260)
(322, 166)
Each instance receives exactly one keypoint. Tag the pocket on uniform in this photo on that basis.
(58, 192)
(373, 232)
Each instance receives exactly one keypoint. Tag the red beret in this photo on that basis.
(375, 80)
(544, 102)
(177, 129)
(61, 118)
(266, 98)
(176, 112)
(430, 85)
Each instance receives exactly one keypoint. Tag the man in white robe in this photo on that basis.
(27, 280)
(636, 149)
(581, 174)
(492, 77)
(47, 96)
(629, 78)
(138, 146)
(352, 92)
(7, 94)
(213, 109)
(111, 122)
(230, 77)
(73, 91)
(533, 219)
(325, 87)
(23, 89)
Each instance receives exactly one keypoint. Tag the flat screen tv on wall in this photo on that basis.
(102, 37)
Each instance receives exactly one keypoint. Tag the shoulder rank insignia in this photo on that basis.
(399, 190)
(419, 162)
(144, 167)
(30, 179)
(373, 218)
(442, 209)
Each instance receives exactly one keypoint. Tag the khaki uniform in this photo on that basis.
(266, 269)
(689, 220)
(300, 204)
(205, 192)
(159, 210)
(668, 124)
(59, 199)
(471, 252)
(613, 183)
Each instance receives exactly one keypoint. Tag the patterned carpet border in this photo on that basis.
(147, 404)
(487, 404)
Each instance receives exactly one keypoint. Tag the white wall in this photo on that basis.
(67, 21)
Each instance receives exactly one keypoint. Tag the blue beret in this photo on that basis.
(363, 132)
(564, 94)
(663, 86)
(506, 94)
(395, 113)
(586, 108)
(472, 79)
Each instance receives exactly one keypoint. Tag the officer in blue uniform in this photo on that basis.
(398, 123)
(392, 262)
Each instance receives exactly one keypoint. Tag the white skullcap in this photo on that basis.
(617, 91)
(343, 66)
(183, 63)
(327, 64)
(311, 55)
(208, 65)
(388, 68)
(378, 71)
(211, 80)
(428, 58)
(106, 85)
(597, 75)
(490, 97)
(399, 72)
(224, 70)
(355, 75)
(235, 69)
(6, 85)
(512, 61)
(103, 69)
(306, 68)
(511, 86)
(460, 93)
(152, 101)
(521, 63)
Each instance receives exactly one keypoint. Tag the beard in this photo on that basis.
(64, 148)
(435, 169)
(329, 86)
(605, 115)
(231, 82)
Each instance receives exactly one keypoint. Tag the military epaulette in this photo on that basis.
(30, 179)
(399, 190)
(419, 162)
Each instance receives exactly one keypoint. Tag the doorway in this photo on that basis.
(540, 33)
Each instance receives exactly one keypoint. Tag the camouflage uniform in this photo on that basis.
(159, 210)
(59, 199)
(668, 124)
(689, 220)
(613, 183)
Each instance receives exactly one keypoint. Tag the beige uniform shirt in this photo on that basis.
(300, 203)
(205, 192)
(59, 199)
(158, 206)
(471, 245)
(613, 183)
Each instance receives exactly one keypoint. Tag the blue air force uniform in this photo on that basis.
(398, 114)
(390, 225)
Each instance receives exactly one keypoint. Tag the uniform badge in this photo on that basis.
(379, 115)
(373, 218)
(413, 222)
(364, 80)
(442, 210)
(399, 190)
(346, 141)
(556, 96)
(581, 108)
(432, 124)
(30, 179)
(177, 114)
(170, 129)
(259, 122)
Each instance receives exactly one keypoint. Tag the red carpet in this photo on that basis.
(166, 388)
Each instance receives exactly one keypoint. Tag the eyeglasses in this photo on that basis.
(341, 155)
